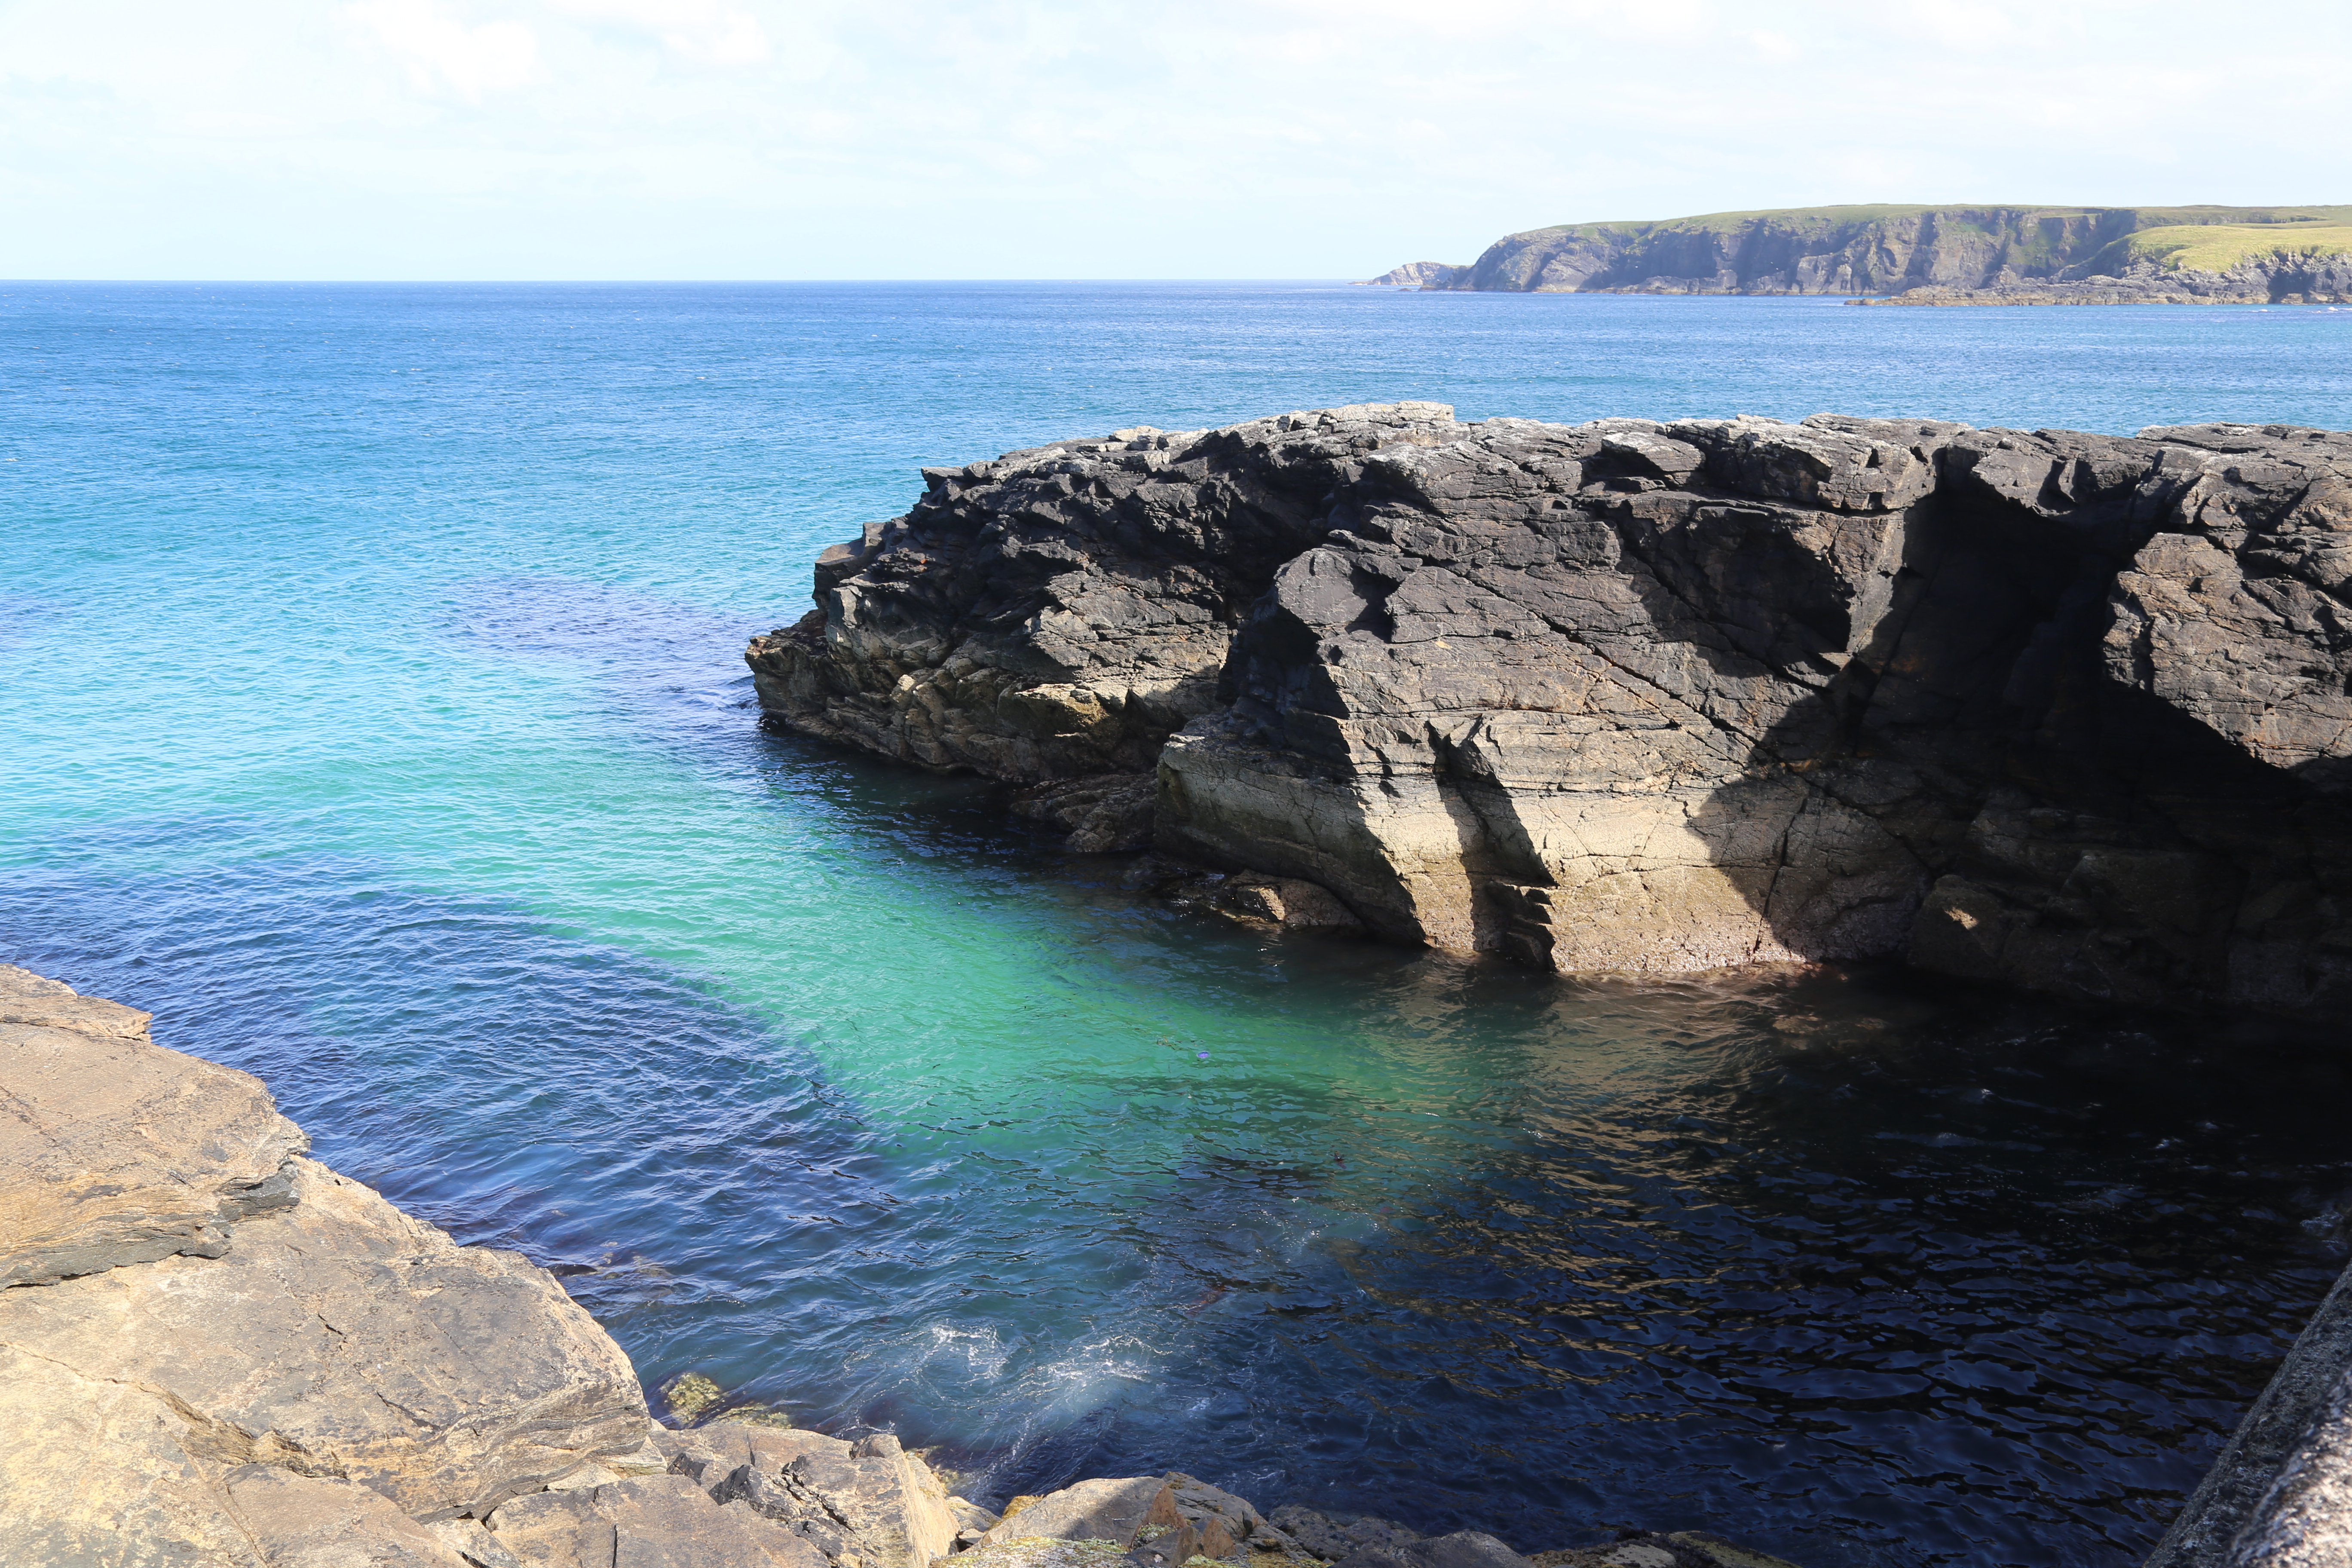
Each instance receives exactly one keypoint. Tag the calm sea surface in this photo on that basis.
(374, 712)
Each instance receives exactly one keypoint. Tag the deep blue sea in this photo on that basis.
(374, 714)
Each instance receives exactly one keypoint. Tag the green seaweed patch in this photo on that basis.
(689, 1394)
(753, 1416)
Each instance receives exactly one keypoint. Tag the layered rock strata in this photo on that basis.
(1849, 249)
(85, 1183)
(2288, 280)
(2061, 710)
(215, 1351)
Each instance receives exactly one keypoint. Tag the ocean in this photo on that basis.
(370, 660)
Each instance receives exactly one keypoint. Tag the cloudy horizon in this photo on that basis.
(736, 139)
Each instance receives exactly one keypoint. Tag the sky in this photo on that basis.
(903, 139)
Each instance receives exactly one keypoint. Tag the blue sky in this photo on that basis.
(740, 139)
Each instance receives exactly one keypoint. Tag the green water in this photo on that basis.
(371, 661)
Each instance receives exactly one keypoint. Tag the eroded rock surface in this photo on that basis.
(655, 1520)
(344, 1339)
(217, 1351)
(868, 1504)
(114, 1150)
(2063, 709)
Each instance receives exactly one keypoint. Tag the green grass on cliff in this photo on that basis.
(1956, 215)
(2217, 247)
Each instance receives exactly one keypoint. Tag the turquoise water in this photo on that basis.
(370, 660)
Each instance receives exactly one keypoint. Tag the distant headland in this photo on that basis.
(1958, 255)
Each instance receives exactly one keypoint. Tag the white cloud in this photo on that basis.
(897, 138)
(440, 50)
(709, 32)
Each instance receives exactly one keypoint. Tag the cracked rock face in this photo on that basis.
(215, 1351)
(868, 1504)
(340, 1340)
(2064, 709)
(113, 1150)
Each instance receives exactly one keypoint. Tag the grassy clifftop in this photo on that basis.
(2217, 247)
(1885, 248)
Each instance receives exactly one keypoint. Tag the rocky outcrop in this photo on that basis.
(87, 1180)
(1419, 275)
(1051, 617)
(2280, 1494)
(1841, 250)
(2278, 280)
(2059, 710)
(1165, 1522)
(215, 1351)
(320, 1381)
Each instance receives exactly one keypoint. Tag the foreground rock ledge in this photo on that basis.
(220, 1352)
(2064, 710)
(324, 1381)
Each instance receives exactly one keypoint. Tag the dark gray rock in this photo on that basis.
(2289, 280)
(1054, 615)
(2063, 709)
(1106, 813)
(1462, 1549)
(1335, 1536)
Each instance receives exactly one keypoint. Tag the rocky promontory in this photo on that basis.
(216, 1353)
(1418, 275)
(2067, 711)
(1961, 254)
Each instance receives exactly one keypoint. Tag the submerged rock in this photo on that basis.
(2059, 709)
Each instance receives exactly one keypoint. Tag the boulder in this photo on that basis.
(663, 1521)
(1462, 1549)
(1644, 1549)
(116, 1150)
(866, 1504)
(1164, 1520)
(1112, 1509)
(1335, 1536)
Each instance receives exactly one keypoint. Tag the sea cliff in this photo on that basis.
(2061, 710)
(1961, 254)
